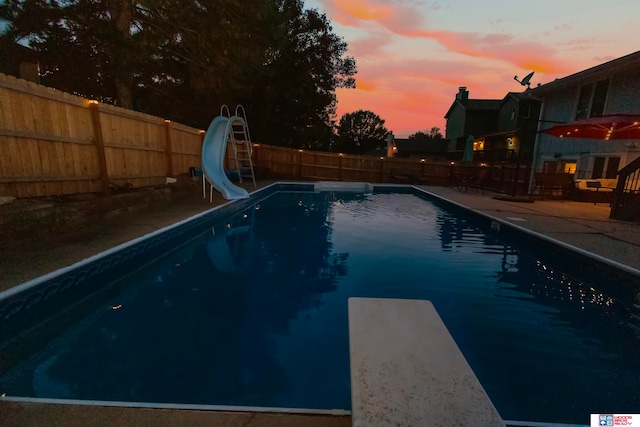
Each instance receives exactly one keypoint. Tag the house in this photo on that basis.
(607, 89)
(515, 133)
(469, 117)
(503, 129)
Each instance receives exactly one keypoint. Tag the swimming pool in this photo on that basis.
(250, 309)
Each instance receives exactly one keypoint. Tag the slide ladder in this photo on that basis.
(242, 148)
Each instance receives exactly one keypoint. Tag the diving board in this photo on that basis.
(406, 369)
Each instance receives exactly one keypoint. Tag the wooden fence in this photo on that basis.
(280, 162)
(54, 143)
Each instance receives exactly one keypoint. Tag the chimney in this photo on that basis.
(463, 94)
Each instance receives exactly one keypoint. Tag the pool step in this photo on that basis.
(407, 370)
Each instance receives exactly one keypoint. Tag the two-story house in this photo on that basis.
(503, 129)
(607, 89)
(515, 129)
(468, 117)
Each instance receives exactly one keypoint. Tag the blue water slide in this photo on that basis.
(214, 149)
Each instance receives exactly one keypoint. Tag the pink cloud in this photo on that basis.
(372, 45)
(408, 21)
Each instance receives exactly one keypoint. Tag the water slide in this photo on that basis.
(214, 149)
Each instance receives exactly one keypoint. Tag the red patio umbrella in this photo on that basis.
(619, 126)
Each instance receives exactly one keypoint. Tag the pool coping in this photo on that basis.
(183, 406)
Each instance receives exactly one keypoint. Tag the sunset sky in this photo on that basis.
(412, 55)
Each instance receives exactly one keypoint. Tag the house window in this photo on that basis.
(591, 100)
(513, 112)
(559, 166)
(478, 145)
(527, 112)
(605, 167)
(599, 97)
(569, 166)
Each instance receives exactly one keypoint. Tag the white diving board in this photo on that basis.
(406, 369)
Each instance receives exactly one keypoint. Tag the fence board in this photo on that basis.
(6, 117)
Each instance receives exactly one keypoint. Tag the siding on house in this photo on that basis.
(455, 125)
(560, 105)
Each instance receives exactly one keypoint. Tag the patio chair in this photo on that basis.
(554, 184)
(477, 182)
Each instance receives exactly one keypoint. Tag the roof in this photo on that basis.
(483, 104)
(518, 96)
(624, 63)
(476, 105)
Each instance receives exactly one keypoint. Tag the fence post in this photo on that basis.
(299, 164)
(168, 147)
(381, 169)
(340, 170)
(451, 174)
(99, 141)
(254, 151)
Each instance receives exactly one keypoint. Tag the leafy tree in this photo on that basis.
(433, 133)
(182, 60)
(360, 132)
(86, 47)
(207, 53)
(295, 99)
(419, 135)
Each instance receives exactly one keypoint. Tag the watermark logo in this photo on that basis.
(614, 420)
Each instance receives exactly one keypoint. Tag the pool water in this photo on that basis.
(253, 312)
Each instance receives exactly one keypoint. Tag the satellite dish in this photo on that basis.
(526, 80)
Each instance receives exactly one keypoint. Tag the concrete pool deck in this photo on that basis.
(583, 225)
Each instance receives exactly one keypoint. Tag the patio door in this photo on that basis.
(605, 167)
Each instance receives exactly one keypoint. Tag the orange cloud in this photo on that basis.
(503, 47)
(364, 85)
(364, 11)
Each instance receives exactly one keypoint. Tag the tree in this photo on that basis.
(86, 47)
(419, 135)
(295, 99)
(433, 133)
(182, 60)
(360, 132)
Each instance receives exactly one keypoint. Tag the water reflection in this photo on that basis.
(561, 327)
(200, 327)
